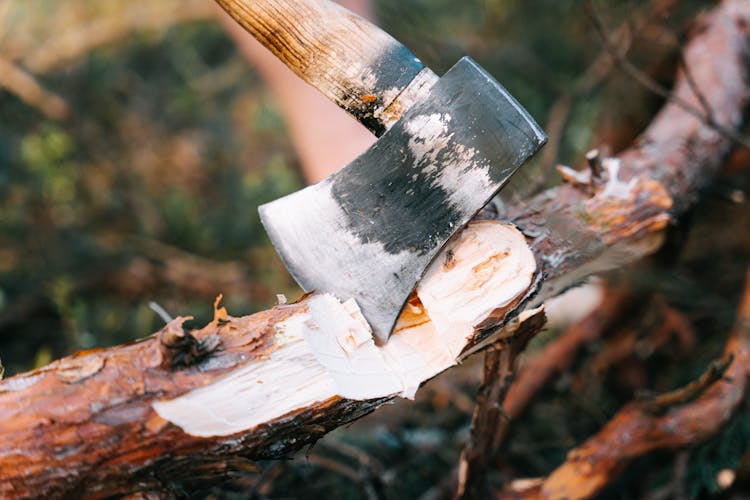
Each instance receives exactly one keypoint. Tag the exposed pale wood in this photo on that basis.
(352, 62)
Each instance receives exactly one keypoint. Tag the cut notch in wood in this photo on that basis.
(327, 350)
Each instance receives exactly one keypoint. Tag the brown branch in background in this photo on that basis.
(574, 227)
(489, 424)
(70, 45)
(29, 90)
(146, 267)
(142, 276)
(687, 416)
(662, 403)
(650, 84)
(351, 463)
(67, 46)
(630, 341)
(560, 354)
(595, 75)
(158, 263)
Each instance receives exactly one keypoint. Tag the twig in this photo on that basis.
(490, 422)
(688, 73)
(696, 90)
(347, 450)
(594, 75)
(345, 470)
(160, 311)
(662, 403)
(335, 466)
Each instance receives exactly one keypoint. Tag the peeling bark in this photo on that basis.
(97, 422)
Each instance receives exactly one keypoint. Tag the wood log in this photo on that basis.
(186, 405)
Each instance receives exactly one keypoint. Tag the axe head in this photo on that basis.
(369, 230)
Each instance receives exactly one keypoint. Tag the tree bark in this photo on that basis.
(183, 406)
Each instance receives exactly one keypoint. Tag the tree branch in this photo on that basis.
(561, 352)
(490, 423)
(683, 417)
(685, 102)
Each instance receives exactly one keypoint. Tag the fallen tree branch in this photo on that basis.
(683, 417)
(162, 407)
(593, 223)
(143, 416)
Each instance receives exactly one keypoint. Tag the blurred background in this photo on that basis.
(136, 144)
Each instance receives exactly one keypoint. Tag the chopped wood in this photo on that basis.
(132, 417)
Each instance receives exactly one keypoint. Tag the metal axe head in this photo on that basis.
(369, 230)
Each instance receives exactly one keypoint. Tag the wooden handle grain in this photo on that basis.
(355, 64)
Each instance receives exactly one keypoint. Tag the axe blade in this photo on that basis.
(369, 231)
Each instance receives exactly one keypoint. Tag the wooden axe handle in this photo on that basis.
(354, 63)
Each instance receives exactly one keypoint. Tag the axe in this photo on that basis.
(446, 146)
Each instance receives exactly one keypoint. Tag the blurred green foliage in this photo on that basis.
(172, 145)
